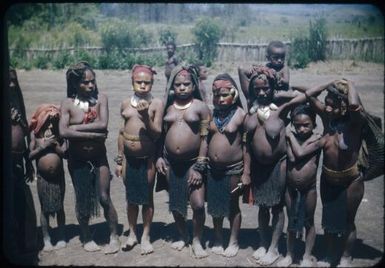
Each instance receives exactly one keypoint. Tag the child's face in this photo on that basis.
(222, 98)
(183, 86)
(277, 57)
(203, 73)
(142, 83)
(262, 91)
(303, 125)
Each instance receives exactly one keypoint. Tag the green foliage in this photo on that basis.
(167, 35)
(207, 33)
(299, 54)
(317, 39)
(122, 34)
(63, 60)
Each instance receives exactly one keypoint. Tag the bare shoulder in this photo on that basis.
(157, 102)
(240, 113)
(65, 104)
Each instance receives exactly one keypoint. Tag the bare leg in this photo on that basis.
(311, 201)
(288, 260)
(132, 216)
(263, 223)
(88, 244)
(355, 193)
(198, 207)
(148, 212)
(44, 222)
(277, 224)
(109, 210)
(218, 242)
(182, 230)
(61, 226)
(235, 224)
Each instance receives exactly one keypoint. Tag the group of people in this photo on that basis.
(266, 151)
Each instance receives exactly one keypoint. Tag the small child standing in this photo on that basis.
(303, 151)
(48, 149)
(172, 59)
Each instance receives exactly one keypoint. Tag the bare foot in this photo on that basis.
(197, 250)
(231, 250)
(323, 263)
(178, 245)
(113, 246)
(285, 262)
(91, 246)
(48, 246)
(269, 258)
(310, 261)
(345, 262)
(61, 244)
(259, 253)
(146, 246)
(130, 243)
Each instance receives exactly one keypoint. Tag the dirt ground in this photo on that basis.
(50, 87)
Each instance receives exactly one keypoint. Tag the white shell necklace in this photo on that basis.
(182, 107)
(135, 99)
(84, 105)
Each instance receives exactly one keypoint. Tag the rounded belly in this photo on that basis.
(139, 148)
(303, 178)
(18, 141)
(87, 150)
(222, 153)
(182, 142)
(49, 164)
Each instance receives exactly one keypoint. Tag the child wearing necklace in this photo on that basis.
(182, 155)
(229, 163)
(135, 162)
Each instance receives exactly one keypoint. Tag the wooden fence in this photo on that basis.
(368, 49)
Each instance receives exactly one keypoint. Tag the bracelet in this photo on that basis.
(201, 164)
(119, 159)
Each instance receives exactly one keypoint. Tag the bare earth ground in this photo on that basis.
(50, 87)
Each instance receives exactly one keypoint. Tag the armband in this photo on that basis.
(201, 164)
(118, 159)
(204, 127)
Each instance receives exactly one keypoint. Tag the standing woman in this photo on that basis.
(183, 158)
(83, 121)
(22, 218)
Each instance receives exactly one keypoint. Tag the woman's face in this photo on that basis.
(88, 84)
(142, 83)
(333, 107)
(183, 86)
(222, 98)
(262, 91)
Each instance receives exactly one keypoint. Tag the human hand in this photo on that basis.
(161, 166)
(245, 179)
(118, 171)
(142, 108)
(194, 177)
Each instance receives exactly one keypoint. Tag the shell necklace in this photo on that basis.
(182, 107)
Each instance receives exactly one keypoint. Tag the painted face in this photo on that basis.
(303, 126)
(222, 98)
(183, 86)
(88, 84)
(277, 57)
(203, 73)
(170, 50)
(142, 83)
(262, 91)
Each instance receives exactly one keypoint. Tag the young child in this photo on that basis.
(202, 70)
(303, 151)
(142, 115)
(275, 55)
(265, 126)
(342, 185)
(172, 59)
(227, 165)
(48, 149)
